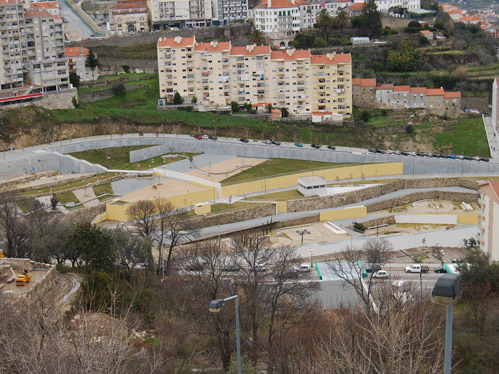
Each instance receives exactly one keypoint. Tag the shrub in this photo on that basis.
(409, 129)
(365, 115)
(126, 68)
(235, 106)
(177, 99)
(119, 89)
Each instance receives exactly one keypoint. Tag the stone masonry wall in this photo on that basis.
(375, 191)
(244, 214)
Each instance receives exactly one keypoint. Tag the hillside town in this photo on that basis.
(250, 186)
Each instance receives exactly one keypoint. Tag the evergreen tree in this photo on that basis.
(92, 62)
(177, 99)
(371, 19)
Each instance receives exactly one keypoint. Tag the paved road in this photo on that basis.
(74, 19)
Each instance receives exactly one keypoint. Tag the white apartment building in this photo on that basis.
(49, 6)
(32, 60)
(495, 103)
(309, 13)
(489, 214)
(385, 5)
(180, 13)
(217, 74)
(229, 12)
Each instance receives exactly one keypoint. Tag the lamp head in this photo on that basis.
(216, 305)
(446, 290)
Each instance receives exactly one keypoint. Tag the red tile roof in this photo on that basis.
(42, 13)
(337, 59)
(75, 51)
(434, 91)
(213, 46)
(357, 7)
(495, 187)
(5, 2)
(456, 11)
(418, 90)
(452, 95)
(280, 4)
(401, 88)
(355, 81)
(170, 42)
(426, 32)
(368, 82)
(386, 87)
(471, 19)
(296, 54)
(46, 5)
(255, 50)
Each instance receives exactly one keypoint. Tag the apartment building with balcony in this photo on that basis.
(229, 12)
(332, 84)
(217, 74)
(180, 13)
(489, 214)
(32, 58)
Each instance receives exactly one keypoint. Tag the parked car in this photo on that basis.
(381, 274)
(260, 267)
(276, 142)
(440, 269)
(417, 268)
(372, 150)
(288, 274)
(198, 137)
(476, 158)
(373, 268)
(298, 144)
(486, 159)
(316, 146)
(303, 268)
(331, 147)
(244, 140)
(213, 137)
(267, 141)
(205, 137)
(231, 268)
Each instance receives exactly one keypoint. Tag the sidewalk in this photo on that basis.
(492, 137)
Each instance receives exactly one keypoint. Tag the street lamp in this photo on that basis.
(215, 307)
(445, 292)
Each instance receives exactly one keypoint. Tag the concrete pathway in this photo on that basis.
(45, 200)
(87, 197)
(492, 137)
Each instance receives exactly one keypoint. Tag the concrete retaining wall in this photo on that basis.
(239, 215)
(438, 219)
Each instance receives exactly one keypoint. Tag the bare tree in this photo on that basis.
(12, 226)
(142, 214)
(349, 266)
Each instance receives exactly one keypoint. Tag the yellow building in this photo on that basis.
(217, 74)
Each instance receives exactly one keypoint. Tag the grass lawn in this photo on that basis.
(279, 166)
(468, 138)
(283, 195)
(79, 183)
(104, 188)
(111, 82)
(119, 158)
(67, 197)
(218, 208)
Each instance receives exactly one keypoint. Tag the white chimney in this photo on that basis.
(214, 44)
(178, 39)
(250, 47)
(331, 56)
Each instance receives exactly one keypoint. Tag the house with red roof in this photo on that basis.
(77, 58)
(355, 9)
(427, 34)
(364, 92)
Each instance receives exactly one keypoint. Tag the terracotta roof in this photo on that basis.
(338, 58)
(495, 187)
(401, 88)
(75, 51)
(471, 18)
(296, 54)
(355, 81)
(368, 82)
(254, 50)
(357, 7)
(321, 113)
(418, 90)
(386, 87)
(276, 111)
(434, 91)
(5, 2)
(38, 13)
(281, 4)
(213, 46)
(129, 5)
(46, 5)
(426, 32)
(170, 42)
(456, 11)
(452, 95)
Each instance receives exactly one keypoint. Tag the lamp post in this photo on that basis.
(311, 254)
(215, 307)
(445, 293)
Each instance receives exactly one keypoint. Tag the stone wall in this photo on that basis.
(387, 220)
(223, 218)
(375, 191)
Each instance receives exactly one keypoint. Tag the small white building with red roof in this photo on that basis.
(77, 57)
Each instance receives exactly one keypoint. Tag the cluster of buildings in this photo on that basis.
(367, 94)
(217, 74)
(486, 19)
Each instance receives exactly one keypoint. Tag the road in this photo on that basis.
(74, 19)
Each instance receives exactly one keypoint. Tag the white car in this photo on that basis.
(381, 274)
(205, 137)
(303, 268)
